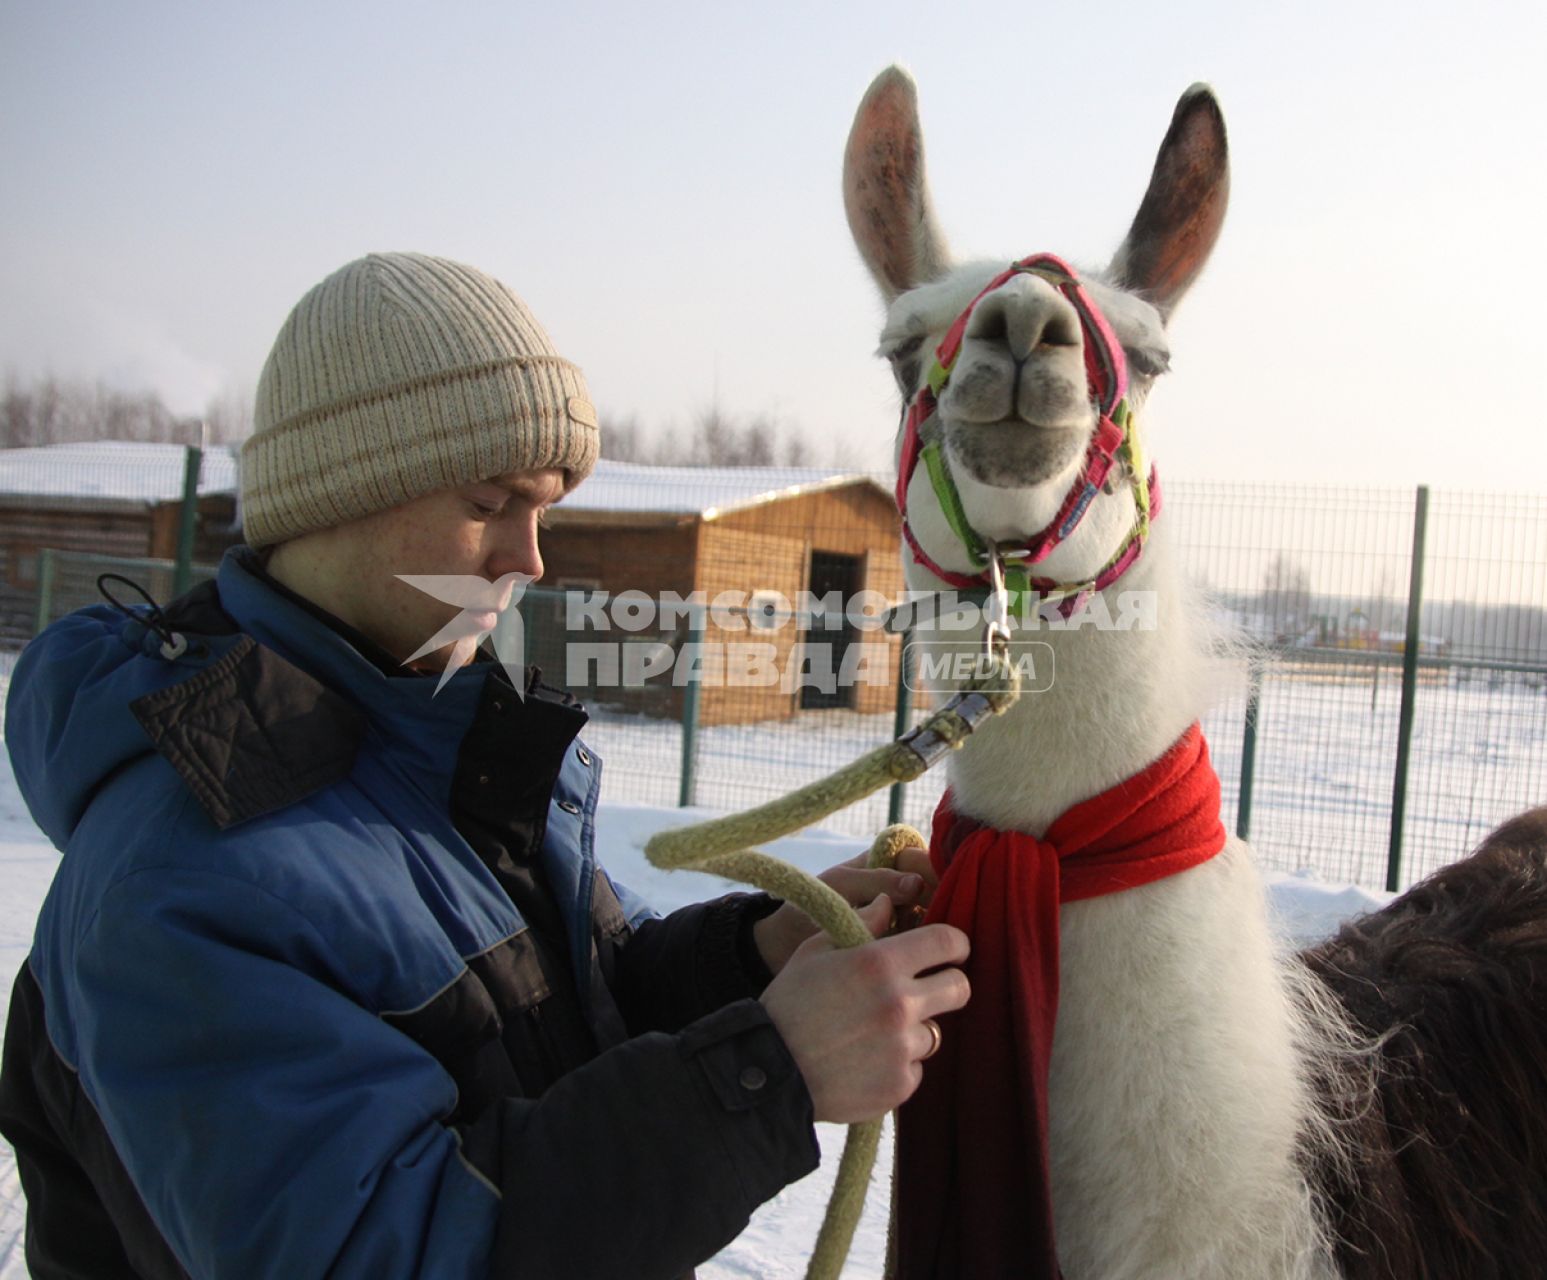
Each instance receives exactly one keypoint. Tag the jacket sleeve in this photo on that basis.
(272, 1125)
(275, 1126)
(652, 1157)
(678, 968)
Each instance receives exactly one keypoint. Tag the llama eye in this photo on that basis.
(1148, 362)
(905, 364)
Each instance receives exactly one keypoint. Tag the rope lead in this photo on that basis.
(723, 846)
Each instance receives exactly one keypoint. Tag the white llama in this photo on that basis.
(1200, 1078)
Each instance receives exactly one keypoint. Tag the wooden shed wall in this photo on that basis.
(754, 550)
(850, 520)
(763, 548)
(26, 531)
(212, 534)
(653, 560)
(883, 574)
(741, 561)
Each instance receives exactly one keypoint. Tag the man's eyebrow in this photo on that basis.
(533, 490)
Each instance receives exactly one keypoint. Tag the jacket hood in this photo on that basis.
(68, 720)
(71, 719)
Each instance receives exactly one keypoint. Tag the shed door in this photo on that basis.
(828, 638)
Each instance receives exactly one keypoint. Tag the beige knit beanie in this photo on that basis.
(398, 375)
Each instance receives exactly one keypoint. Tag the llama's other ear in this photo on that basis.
(884, 189)
(1179, 220)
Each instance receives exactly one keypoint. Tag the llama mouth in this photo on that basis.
(1014, 454)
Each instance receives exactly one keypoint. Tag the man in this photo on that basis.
(328, 982)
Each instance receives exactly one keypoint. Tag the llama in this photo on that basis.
(1216, 1106)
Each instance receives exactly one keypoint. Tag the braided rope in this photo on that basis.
(723, 846)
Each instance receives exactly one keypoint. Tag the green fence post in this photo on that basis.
(1409, 690)
(45, 587)
(901, 723)
(690, 722)
(1243, 808)
(182, 576)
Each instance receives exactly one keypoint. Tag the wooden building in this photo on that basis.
(759, 544)
(108, 498)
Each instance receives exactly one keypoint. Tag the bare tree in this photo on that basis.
(1286, 590)
(714, 439)
(228, 416)
(623, 440)
(54, 411)
(795, 451)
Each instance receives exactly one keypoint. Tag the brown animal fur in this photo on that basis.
(1449, 1174)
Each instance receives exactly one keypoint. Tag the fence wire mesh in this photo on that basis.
(755, 684)
(1319, 580)
(70, 580)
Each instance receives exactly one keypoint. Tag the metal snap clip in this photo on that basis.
(996, 609)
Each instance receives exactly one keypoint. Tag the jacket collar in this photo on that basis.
(423, 727)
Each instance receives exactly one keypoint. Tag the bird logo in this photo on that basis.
(485, 611)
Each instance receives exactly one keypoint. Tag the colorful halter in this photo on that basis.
(1115, 438)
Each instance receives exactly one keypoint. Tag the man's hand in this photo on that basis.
(910, 886)
(854, 1018)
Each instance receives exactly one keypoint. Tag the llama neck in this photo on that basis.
(1119, 697)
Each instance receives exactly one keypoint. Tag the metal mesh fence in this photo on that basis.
(637, 722)
(1320, 580)
(68, 580)
(755, 685)
(1480, 728)
(118, 498)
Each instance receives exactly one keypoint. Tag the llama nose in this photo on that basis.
(1024, 314)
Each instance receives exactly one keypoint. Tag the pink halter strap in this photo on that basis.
(1106, 372)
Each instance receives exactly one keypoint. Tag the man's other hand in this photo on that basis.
(854, 1018)
(909, 886)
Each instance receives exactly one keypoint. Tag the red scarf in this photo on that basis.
(973, 1198)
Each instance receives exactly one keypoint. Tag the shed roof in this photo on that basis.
(109, 473)
(635, 493)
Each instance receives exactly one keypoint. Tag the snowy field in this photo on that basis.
(1326, 755)
(779, 1240)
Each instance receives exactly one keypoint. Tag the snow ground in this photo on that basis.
(778, 1242)
(1326, 752)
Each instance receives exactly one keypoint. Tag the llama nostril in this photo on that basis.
(1024, 324)
(989, 322)
(1060, 331)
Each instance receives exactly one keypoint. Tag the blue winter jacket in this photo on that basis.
(261, 1021)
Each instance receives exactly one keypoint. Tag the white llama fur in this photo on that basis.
(1182, 1103)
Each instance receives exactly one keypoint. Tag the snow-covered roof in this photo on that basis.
(111, 472)
(633, 489)
(124, 472)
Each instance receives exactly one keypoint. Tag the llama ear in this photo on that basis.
(884, 190)
(1184, 208)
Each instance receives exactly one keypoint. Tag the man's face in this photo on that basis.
(485, 529)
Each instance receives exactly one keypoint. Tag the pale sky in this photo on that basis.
(661, 183)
